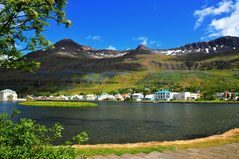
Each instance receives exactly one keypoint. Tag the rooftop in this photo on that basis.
(7, 91)
(163, 91)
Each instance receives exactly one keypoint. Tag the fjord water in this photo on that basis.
(136, 122)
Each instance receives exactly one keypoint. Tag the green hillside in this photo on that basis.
(214, 80)
(137, 70)
(214, 73)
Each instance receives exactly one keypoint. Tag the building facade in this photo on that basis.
(8, 94)
(186, 96)
(137, 96)
(163, 95)
(150, 97)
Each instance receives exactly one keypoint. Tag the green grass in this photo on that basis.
(122, 81)
(121, 151)
(212, 143)
(214, 80)
(87, 152)
(58, 104)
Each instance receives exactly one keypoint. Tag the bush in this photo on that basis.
(26, 139)
(208, 95)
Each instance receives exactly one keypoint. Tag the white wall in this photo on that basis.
(5, 96)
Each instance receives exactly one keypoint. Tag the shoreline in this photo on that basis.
(203, 102)
(179, 102)
(172, 102)
(225, 136)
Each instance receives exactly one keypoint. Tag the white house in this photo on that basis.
(182, 96)
(150, 97)
(163, 95)
(91, 97)
(186, 96)
(194, 96)
(119, 97)
(138, 96)
(8, 94)
(77, 97)
(62, 97)
(103, 96)
(110, 97)
(220, 96)
(126, 96)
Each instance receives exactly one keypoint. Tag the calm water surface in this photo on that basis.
(136, 122)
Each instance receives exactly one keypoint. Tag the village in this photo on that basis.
(161, 95)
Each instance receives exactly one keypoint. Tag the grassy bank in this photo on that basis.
(120, 151)
(229, 137)
(203, 102)
(57, 104)
(211, 143)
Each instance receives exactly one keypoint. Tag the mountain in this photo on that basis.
(215, 46)
(67, 55)
(77, 68)
(69, 48)
(142, 47)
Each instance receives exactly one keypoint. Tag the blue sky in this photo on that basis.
(124, 24)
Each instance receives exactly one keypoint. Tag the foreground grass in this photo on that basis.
(175, 145)
(58, 104)
(216, 142)
(121, 151)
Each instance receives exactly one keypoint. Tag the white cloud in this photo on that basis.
(94, 37)
(224, 25)
(148, 42)
(110, 48)
(143, 40)
(225, 6)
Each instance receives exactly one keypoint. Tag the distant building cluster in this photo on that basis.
(161, 95)
(180, 96)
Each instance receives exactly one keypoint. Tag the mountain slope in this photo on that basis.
(215, 46)
(73, 68)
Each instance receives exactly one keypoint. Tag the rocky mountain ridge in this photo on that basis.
(71, 49)
(214, 46)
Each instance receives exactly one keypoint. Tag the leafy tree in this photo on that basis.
(21, 18)
(208, 95)
(26, 139)
(146, 91)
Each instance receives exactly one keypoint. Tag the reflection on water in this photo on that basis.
(136, 122)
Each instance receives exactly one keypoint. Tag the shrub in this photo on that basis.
(26, 139)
